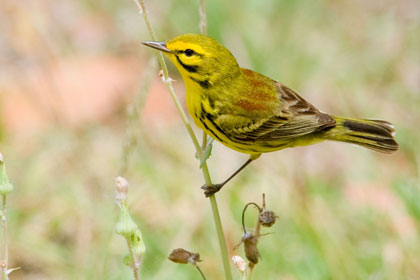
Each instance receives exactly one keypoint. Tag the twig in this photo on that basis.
(216, 216)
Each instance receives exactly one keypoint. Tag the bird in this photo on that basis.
(254, 114)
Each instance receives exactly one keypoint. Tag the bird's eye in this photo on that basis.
(189, 52)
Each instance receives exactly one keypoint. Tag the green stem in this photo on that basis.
(201, 272)
(204, 142)
(213, 202)
(203, 17)
(133, 260)
(206, 174)
(5, 256)
(218, 224)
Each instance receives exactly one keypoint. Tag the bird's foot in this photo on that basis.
(210, 190)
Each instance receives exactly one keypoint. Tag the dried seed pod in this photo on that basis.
(250, 245)
(183, 256)
(267, 218)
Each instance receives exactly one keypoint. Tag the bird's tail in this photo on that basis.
(376, 135)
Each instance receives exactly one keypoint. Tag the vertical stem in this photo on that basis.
(207, 178)
(204, 142)
(220, 237)
(4, 225)
(257, 233)
(4, 262)
(133, 260)
(203, 17)
(213, 202)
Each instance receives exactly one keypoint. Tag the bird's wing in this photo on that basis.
(291, 117)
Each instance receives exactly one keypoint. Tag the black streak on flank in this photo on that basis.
(214, 134)
(208, 128)
(189, 68)
(204, 84)
(205, 115)
(211, 119)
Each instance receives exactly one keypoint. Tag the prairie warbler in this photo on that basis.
(253, 114)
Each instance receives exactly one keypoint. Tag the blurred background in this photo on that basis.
(81, 103)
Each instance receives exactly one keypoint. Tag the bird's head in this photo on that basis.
(198, 57)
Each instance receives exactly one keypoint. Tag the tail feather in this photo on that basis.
(376, 135)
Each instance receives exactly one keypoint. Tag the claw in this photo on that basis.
(210, 190)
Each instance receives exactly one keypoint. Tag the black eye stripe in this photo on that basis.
(184, 52)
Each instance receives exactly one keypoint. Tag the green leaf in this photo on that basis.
(127, 260)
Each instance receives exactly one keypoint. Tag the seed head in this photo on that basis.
(267, 218)
(251, 249)
(183, 256)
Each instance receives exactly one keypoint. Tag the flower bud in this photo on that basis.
(121, 190)
(5, 186)
(125, 225)
(139, 249)
(267, 218)
(183, 256)
(239, 263)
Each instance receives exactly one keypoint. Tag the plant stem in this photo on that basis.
(201, 272)
(4, 262)
(206, 174)
(133, 260)
(204, 142)
(167, 81)
(203, 17)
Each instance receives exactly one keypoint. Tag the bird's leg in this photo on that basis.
(209, 190)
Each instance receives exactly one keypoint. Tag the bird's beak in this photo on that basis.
(161, 46)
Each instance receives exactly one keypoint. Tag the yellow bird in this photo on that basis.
(253, 114)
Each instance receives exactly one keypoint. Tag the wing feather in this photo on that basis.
(292, 117)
